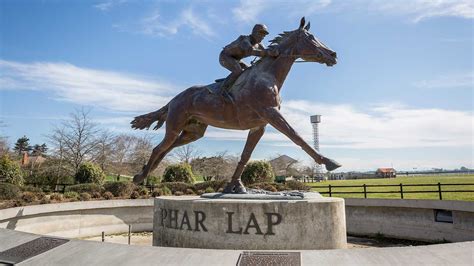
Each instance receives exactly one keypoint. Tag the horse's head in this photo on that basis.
(302, 44)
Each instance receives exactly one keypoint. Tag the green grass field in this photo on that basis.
(464, 179)
(122, 178)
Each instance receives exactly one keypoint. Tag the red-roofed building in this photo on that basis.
(386, 172)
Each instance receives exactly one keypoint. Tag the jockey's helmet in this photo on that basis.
(260, 28)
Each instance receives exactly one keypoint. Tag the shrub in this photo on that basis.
(40, 195)
(56, 196)
(10, 171)
(177, 186)
(296, 185)
(84, 196)
(163, 191)
(120, 188)
(86, 187)
(209, 190)
(9, 191)
(257, 172)
(214, 184)
(178, 193)
(28, 197)
(108, 195)
(90, 173)
(134, 195)
(72, 195)
(142, 191)
(280, 186)
(190, 192)
(19, 203)
(153, 180)
(45, 200)
(200, 192)
(156, 193)
(31, 188)
(264, 186)
(178, 173)
(96, 195)
(166, 191)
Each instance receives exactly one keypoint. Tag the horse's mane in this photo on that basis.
(280, 39)
(275, 42)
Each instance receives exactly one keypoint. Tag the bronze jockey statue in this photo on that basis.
(244, 46)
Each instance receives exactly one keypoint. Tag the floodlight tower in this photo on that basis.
(315, 121)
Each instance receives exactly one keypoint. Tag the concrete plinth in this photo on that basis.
(194, 222)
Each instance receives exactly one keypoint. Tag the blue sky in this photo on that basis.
(401, 94)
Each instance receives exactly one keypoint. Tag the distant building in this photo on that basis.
(386, 172)
(282, 165)
(31, 161)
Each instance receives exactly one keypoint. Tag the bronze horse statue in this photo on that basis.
(256, 103)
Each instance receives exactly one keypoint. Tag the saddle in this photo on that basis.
(214, 88)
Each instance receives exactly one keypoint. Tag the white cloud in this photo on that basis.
(343, 126)
(107, 5)
(382, 127)
(155, 25)
(107, 89)
(249, 11)
(419, 10)
(463, 80)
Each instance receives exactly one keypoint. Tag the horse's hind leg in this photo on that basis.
(174, 126)
(236, 186)
(192, 132)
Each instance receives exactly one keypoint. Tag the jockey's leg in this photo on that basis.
(235, 67)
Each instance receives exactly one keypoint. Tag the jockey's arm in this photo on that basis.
(264, 52)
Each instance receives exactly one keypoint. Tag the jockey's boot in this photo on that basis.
(226, 85)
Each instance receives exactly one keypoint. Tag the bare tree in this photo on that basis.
(141, 151)
(122, 148)
(186, 153)
(104, 149)
(77, 138)
(4, 149)
(57, 139)
(219, 166)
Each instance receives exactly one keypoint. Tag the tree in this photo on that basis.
(39, 150)
(22, 145)
(217, 167)
(140, 152)
(178, 173)
(60, 167)
(257, 172)
(121, 148)
(104, 151)
(90, 173)
(3, 146)
(77, 139)
(186, 153)
(10, 171)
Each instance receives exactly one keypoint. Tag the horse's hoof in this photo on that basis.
(138, 178)
(240, 190)
(331, 164)
(228, 188)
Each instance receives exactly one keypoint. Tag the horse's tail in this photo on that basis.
(146, 120)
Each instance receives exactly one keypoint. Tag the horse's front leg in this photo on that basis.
(235, 185)
(274, 118)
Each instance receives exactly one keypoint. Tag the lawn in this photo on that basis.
(122, 178)
(432, 179)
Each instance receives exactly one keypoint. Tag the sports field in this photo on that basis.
(432, 179)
